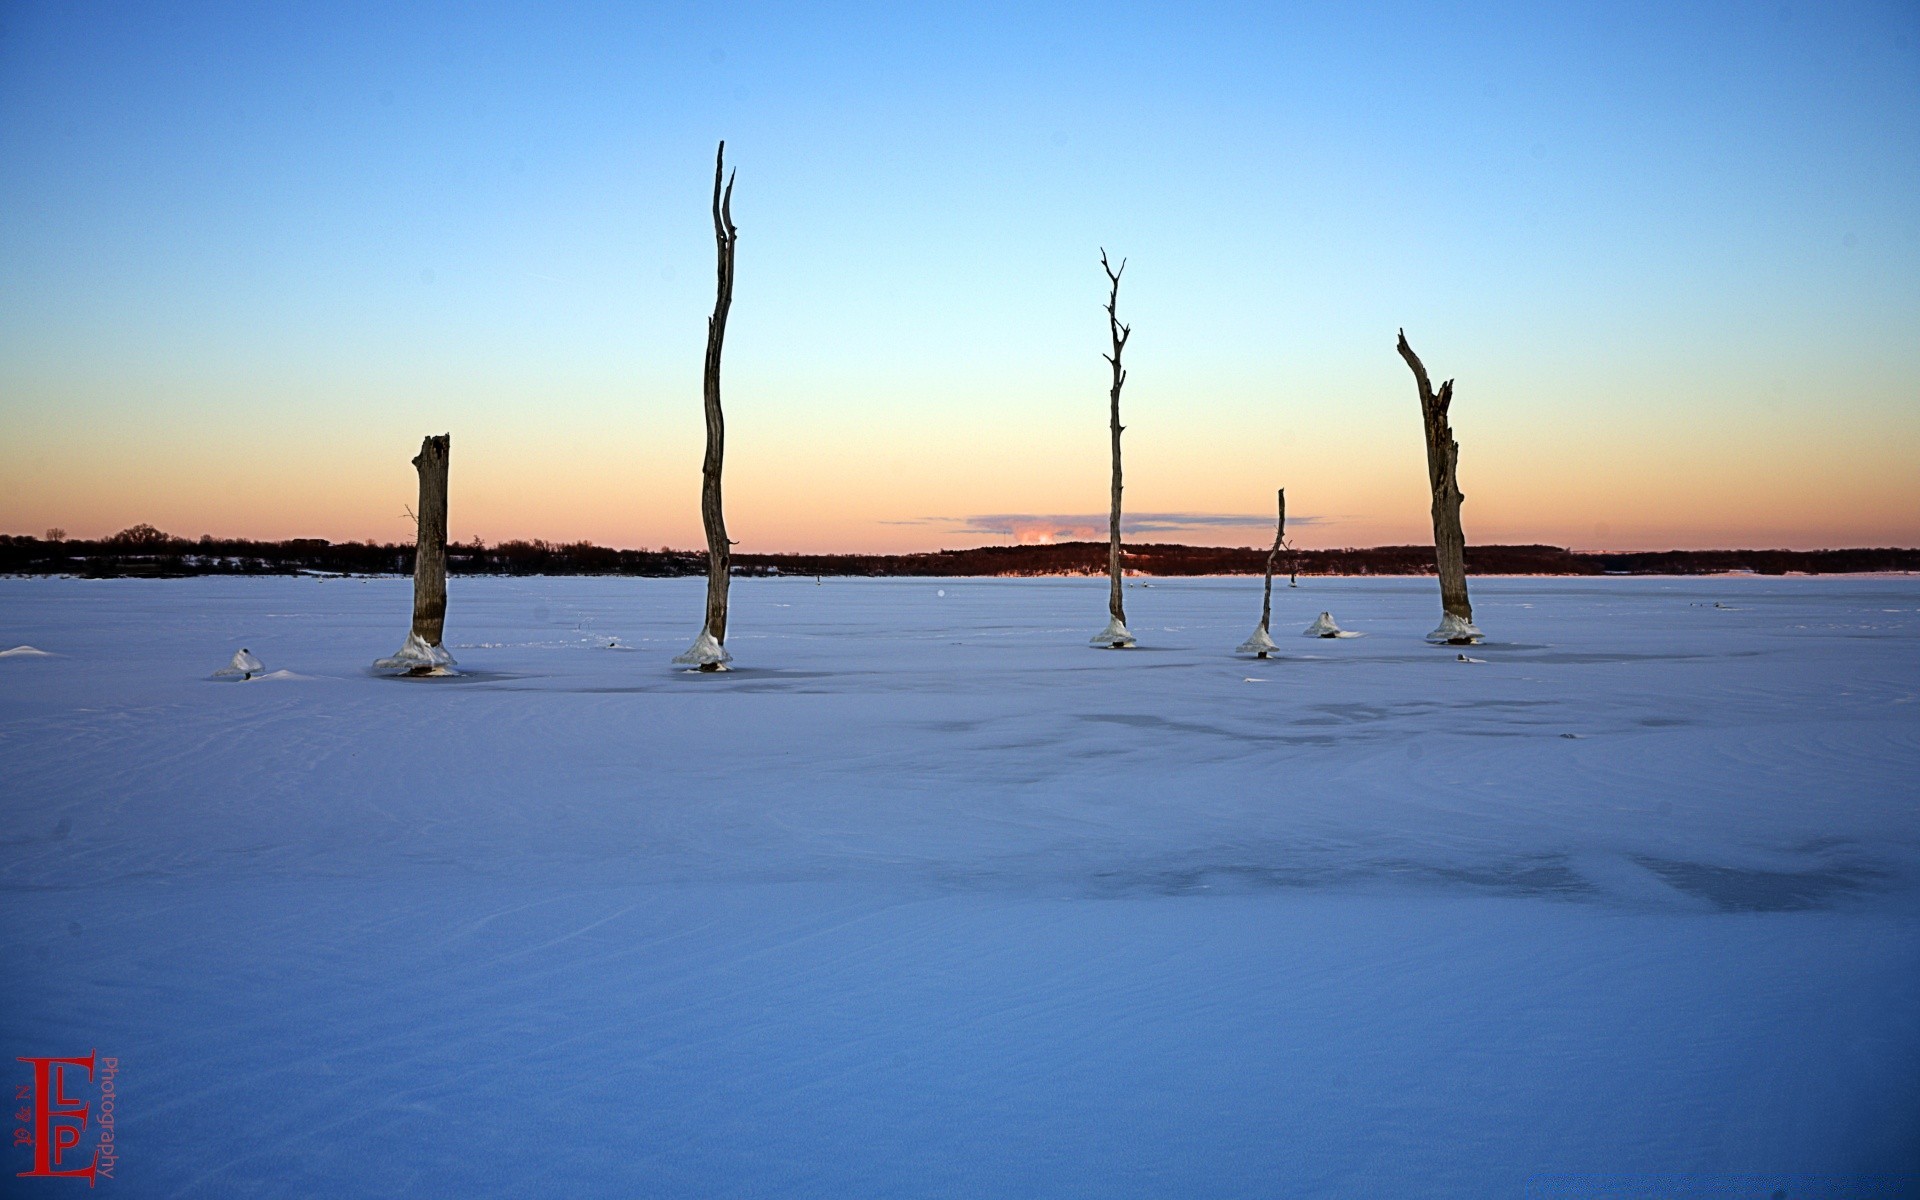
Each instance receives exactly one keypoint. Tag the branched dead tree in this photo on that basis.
(1449, 542)
(423, 653)
(709, 651)
(1115, 635)
(1261, 643)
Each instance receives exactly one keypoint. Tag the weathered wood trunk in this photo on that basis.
(430, 553)
(1115, 635)
(719, 549)
(1279, 536)
(1443, 462)
(1260, 645)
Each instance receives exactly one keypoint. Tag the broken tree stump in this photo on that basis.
(1449, 542)
(423, 653)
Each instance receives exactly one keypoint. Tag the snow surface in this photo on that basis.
(928, 901)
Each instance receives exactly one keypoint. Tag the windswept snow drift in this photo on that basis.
(931, 902)
(25, 652)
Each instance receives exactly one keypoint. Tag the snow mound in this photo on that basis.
(26, 652)
(244, 664)
(1454, 631)
(418, 658)
(705, 652)
(1324, 627)
(1113, 637)
(280, 675)
(1259, 643)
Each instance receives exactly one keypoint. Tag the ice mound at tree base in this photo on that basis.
(244, 664)
(705, 653)
(1260, 643)
(418, 658)
(1113, 637)
(1455, 631)
(1324, 627)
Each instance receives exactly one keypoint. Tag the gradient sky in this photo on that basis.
(251, 254)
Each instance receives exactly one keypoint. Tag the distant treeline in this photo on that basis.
(146, 551)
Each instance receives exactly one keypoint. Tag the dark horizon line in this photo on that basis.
(144, 550)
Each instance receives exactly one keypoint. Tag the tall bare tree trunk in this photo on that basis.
(1279, 535)
(1115, 635)
(709, 650)
(423, 653)
(430, 553)
(1261, 643)
(1449, 542)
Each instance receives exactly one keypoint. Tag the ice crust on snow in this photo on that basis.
(704, 652)
(416, 657)
(1454, 631)
(1113, 637)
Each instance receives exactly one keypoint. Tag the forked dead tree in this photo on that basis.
(423, 654)
(1449, 543)
(709, 650)
(1261, 643)
(1115, 635)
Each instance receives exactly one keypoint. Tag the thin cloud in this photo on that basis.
(1068, 527)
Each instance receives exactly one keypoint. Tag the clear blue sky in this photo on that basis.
(250, 254)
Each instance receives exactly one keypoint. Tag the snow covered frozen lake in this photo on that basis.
(930, 899)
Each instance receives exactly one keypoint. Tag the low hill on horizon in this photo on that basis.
(145, 551)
